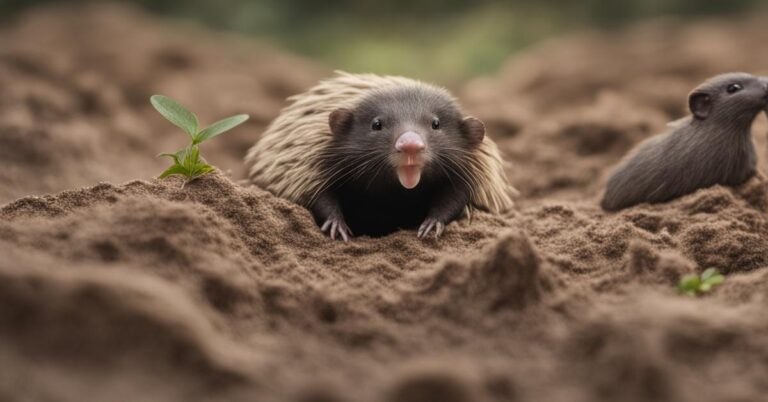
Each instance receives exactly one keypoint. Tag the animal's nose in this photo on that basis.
(410, 142)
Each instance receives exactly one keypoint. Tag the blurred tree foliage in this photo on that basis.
(444, 40)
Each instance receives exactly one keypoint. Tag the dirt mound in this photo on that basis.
(175, 278)
(220, 291)
(506, 276)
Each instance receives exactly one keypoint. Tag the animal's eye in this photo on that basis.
(435, 123)
(733, 88)
(376, 124)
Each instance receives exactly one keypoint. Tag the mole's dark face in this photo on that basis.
(405, 132)
(729, 97)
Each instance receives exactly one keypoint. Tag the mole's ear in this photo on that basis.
(340, 121)
(473, 129)
(700, 104)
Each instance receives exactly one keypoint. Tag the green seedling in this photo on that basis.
(693, 285)
(187, 161)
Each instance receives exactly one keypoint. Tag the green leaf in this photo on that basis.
(175, 156)
(187, 163)
(715, 280)
(202, 169)
(191, 157)
(219, 127)
(692, 284)
(708, 273)
(690, 281)
(176, 114)
(175, 169)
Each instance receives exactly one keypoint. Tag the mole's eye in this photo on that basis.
(733, 88)
(376, 125)
(435, 123)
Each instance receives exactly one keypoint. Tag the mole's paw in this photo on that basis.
(337, 227)
(428, 225)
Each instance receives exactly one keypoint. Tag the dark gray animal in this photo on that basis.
(372, 154)
(420, 132)
(713, 146)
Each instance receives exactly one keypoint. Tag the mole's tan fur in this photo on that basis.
(286, 159)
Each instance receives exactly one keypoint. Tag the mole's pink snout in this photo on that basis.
(409, 146)
(410, 143)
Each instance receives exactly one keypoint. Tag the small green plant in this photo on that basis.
(187, 161)
(693, 284)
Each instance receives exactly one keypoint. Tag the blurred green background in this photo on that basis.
(448, 40)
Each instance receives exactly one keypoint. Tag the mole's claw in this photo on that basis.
(334, 228)
(344, 234)
(428, 225)
(425, 228)
(440, 228)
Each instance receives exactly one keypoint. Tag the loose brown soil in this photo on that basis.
(117, 286)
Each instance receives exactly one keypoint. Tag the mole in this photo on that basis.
(711, 146)
(402, 153)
